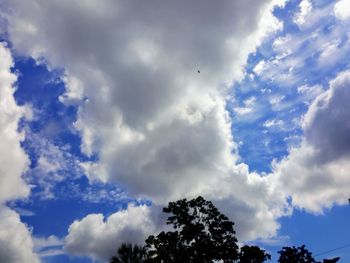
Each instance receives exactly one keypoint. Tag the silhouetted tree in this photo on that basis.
(253, 254)
(295, 255)
(300, 255)
(128, 253)
(201, 235)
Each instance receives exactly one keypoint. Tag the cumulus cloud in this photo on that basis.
(16, 244)
(316, 174)
(160, 128)
(13, 160)
(326, 123)
(100, 237)
(15, 238)
(342, 9)
(305, 8)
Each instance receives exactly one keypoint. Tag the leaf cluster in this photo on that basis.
(201, 234)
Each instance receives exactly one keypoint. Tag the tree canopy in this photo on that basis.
(128, 253)
(253, 254)
(300, 255)
(295, 254)
(201, 234)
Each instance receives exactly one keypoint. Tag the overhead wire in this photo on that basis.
(331, 250)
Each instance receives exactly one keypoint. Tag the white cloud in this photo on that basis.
(331, 52)
(13, 160)
(24, 212)
(248, 106)
(243, 110)
(314, 90)
(41, 243)
(54, 165)
(16, 244)
(15, 239)
(274, 123)
(100, 238)
(259, 68)
(305, 8)
(279, 241)
(294, 50)
(316, 174)
(48, 246)
(342, 9)
(75, 92)
(284, 45)
(160, 129)
(276, 99)
(308, 93)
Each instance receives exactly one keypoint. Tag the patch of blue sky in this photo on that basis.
(53, 120)
(320, 233)
(66, 259)
(53, 216)
(51, 142)
(283, 76)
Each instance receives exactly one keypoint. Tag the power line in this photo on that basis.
(334, 249)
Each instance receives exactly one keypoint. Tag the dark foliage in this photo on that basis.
(253, 254)
(333, 260)
(201, 234)
(295, 255)
(128, 253)
(300, 255)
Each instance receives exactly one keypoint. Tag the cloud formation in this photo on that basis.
(159, 127)
(13, 160)
(342, 10)
(99, 238)
(316, 174)
(15, 239)
(16, 243)
(151, 79)
(305, 8)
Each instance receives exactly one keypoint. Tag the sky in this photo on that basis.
(111, 109)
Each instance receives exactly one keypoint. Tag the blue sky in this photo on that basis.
(105, 119)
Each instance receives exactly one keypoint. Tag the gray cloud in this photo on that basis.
(326, 125)
(316, 174)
